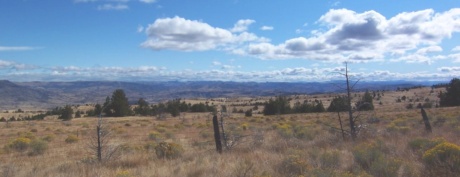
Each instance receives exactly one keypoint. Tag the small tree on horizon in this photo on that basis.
(119, 104)
(142, 108)
(338, 104)
(365, 104)
(66, 113)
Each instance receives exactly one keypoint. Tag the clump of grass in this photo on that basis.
(123, 173)
(205, 134)
(72, 139)
(294, 164)
(245, 126)
(423, 144)
(48, 138)
(38, 147)
(168, 150)
(155, 136)
(19, 144)
(371, 158)
(119, 130)
(330, 159)
(398, 126)
(161, 129)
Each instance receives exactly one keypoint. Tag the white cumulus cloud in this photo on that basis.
(182, 34)
(266, 28)
(113, 7)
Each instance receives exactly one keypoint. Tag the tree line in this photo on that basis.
(118, 106)
(281, 105)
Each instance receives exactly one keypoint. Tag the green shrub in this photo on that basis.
(245, 126)
(38, 147)
(155, 136)
(19, 144)
(205, 134)
(169, 135)
(424, 144)
(385, 167)
(365, 154)
(294, 165)
(123, 173)
(48, 138)
(371, 157)
(150, 146)
(442, 160)
(330, 159)
(168, 150)
(72, 139)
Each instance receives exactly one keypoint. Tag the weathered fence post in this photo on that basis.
(217, 134)
(99, 148)
(427, 122)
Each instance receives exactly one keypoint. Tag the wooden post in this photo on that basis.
(99, 148)
(217, 134)
(425, 119)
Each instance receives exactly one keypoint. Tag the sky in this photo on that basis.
(229, 40)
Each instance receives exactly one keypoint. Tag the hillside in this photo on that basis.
(41, 95)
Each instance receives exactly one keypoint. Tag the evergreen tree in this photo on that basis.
(142, 108)
(119, 104)
(66, 113)
(97, 109)
(452, 95)
(338, 104)
(319, 107)
(278, 106)
(107, 107)
(365, 104)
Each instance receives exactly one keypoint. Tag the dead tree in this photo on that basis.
(353, 118)
(99, 143)
(350, 111)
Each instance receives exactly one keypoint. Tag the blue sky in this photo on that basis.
(228, 40)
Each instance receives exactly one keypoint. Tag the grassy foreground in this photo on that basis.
(392, 142)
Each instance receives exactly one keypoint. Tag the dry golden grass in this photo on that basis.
(286, 145)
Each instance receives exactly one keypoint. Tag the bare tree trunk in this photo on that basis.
(341, 126)
(350, 111)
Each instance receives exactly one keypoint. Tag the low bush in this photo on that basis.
(423, 144)
(294, 165)
(168, 150)
(19, 144)
(123, 173)
(38, 147)
(442, 160)
(155, 136)
(72, 139)
(48, 138)
(330, 159)
(371, 157)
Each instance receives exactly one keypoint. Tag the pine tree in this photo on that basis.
(66, 113)
(366, 103)
(119, 104)
(452, 95)
(143, 108)
(338, 104)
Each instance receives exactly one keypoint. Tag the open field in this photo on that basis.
(280, 145)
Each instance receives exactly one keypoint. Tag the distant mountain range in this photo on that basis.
(41, 95)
